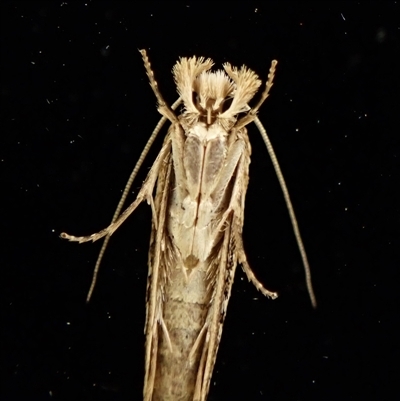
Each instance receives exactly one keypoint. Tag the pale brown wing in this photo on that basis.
(157, 273)
(225, 272)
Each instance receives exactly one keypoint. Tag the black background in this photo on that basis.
(77, 110)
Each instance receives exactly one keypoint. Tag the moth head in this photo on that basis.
(214, 95)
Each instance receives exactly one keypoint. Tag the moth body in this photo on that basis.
(196, 189)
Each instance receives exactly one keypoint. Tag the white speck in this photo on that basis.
(339, 183)
(346, 209)
(297, 130)
(68, 323)
(32, 62)
(344, 19)
(256, 10)
(48, 101)
(325, 356)
(50, 393)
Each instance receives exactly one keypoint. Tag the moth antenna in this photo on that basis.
(268, 86)
(289, 206)
(251, 115)
(163, 107)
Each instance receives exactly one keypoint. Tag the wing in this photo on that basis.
(163, 257)
(157, 273)
(231, 253)
(228, 259)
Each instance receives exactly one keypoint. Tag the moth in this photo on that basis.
(196, 189)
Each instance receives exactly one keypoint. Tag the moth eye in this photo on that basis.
(196, 100)
(226, 104)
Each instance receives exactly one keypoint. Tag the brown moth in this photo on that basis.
(196, 189)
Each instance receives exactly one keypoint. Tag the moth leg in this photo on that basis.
(241, 255)
(237, 224)
(165, 331)
(151, 363)
(145, 193)
(236, 207)
(153, 212)
(201, 370)
(197, 343)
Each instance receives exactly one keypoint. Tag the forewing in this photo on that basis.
(158, 266)
(224, 275)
